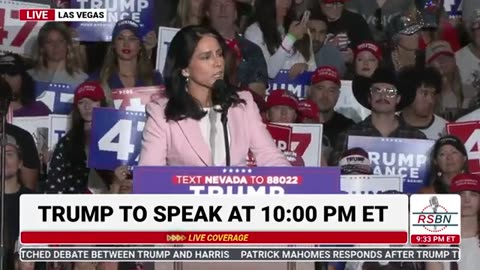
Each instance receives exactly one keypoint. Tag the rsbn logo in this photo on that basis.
(434, 217)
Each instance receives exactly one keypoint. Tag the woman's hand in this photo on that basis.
(297, 29)
(122, 182)
(297, 69)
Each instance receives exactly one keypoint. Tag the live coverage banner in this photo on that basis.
(469, 134)
(221, 219)
(221, 180)
(57, 96)
(136, 98)
(115, 138)
(15, 35)
(141, 11)
(395, 156)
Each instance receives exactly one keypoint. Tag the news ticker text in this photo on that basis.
(241, 254)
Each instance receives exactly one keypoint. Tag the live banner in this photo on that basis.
(45, 130)
(135, 99)
(15, 35)
(57, 96)
(165, 36)
(371, 184)
(396, 156)
(140, 11)
(281, 135)
(469, 134)
(115, 138)
(298, 85)
(235, 180)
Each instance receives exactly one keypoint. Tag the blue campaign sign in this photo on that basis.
(140, 11)
(233, 180)
(298, 85)
(115, 138)
(394, 156)
(57, 96)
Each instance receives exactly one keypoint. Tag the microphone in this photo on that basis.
(434, 203)
(220, 93)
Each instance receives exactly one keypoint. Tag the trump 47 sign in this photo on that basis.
(469, 134)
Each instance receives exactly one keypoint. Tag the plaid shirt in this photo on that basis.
(366, 128)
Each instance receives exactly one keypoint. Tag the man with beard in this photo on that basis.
(425, 84)
(380, 94)
(325, 53)
(324, 92)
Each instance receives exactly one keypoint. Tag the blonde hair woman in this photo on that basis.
(56, 60)
(189, 12)
(126, 63)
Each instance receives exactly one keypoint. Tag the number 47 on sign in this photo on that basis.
(469, 134)
(116, 138)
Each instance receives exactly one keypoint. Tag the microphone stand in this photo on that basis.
(3, 114)
(224, 120)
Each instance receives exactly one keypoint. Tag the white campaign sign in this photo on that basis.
(15, 35)
(37, 126)
(165, 36)
(370, 184)
(307, 141)
(348, 105)
(58, 127)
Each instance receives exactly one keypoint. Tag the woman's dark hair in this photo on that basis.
(181, 104)
(75, 150)
(27, 91)
(435, 172)
(266, 17)
(413, 78)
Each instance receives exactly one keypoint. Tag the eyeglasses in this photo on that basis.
(334, 5)
(389, 92)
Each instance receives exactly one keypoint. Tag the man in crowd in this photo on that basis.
(252, 71)
(425, 85)
(325, 53)
(324, 92)
(468, 58)
(380, 94)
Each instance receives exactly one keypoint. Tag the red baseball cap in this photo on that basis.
(326, 73)
(282, 97)
(91, 90)
(370, 47)
(465, 182)
(308, 109)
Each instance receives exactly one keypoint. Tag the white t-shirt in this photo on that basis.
(219, 158)
(436, 129)
(469, 66)
(281, 59)
(469, 255)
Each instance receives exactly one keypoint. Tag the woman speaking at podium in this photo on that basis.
(203, 121)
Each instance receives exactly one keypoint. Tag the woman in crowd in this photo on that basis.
(68, 171)
(455, 98)
(448, 158)
(56, 61)
(126, 63)
(189, 12)
(367, 59)
(186, 127)
(468, 186)
(281, 38)
(13, 70)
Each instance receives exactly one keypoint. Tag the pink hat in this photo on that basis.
(326, 73)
